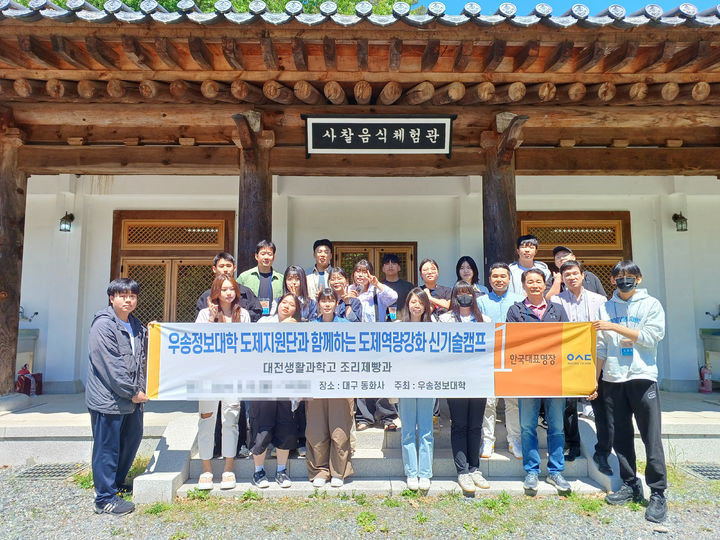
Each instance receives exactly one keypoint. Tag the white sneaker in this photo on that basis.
(466, 483)
(487, 449)
(479, 480)
(205, 482)
(319, 482)
(515, 448)
(228, 480)
(336, 482)
(412, 483)
(424, 484)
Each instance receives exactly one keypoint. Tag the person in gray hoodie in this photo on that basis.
(114, 394)
(630, 326)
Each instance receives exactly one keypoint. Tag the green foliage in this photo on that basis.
(360, 498)
(196, 494)
(84, 479)
(391, 503)
(158, 508)
(421, 518)
(250, 495)
(366, 520)
(409, 493)
(180, 535)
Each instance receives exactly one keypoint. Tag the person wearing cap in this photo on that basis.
(318, 277)
(527, 248)
(562, 255)
(391, 270)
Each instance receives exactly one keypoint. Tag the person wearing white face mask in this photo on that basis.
(630, 327)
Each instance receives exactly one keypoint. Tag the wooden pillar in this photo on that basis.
(255, 193)
(499, 205)
(13, 185)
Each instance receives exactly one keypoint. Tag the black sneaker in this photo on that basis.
(626, 493)
(116, 507)
(572, 453)
(657, 508)
(260, 479)
(283, 479)
(601, 460)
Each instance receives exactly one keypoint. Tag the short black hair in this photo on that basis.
(528, 239)
(121, 285)
(264, 244)
(473, 267)
(323, 242)
(389, 258)
(495, 266)
(533, 271)
(327, 294)
(626, 267)
(567, 265)
(425, 261)
(223, 256)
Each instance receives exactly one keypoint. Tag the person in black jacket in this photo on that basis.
(114, 394)
(532, 310)
(224, 263)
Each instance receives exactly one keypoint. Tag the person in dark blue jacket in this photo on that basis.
(535, 308)
(114, 394)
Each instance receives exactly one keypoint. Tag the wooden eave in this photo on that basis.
(137, 98)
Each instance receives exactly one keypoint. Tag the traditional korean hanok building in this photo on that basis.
(162, 138)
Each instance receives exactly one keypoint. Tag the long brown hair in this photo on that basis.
(236, 308)
(423, 297)
(463, 287)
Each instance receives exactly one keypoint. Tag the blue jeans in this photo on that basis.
(529, 409)
(417, 413)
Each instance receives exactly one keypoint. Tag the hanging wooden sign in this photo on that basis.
(380, 134)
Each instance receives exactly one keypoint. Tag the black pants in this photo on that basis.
(603, 425)
(466, 419)
(371, 410)
(570, 423)
(300, 424)
(639, 398)
(272, 421)
(242, 429)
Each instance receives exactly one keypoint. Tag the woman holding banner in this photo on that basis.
(416, 414)
(273, 420)
(223, 307)
(466, 414)
(329, 421)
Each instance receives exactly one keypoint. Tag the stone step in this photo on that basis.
(393, 486)
(370, 463)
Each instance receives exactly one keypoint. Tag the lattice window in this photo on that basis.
(153, 279)
(173, 234)
(576, 234)
(601, 268)
(348, 253)
(191, 280)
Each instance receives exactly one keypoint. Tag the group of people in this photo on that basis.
(629, 326)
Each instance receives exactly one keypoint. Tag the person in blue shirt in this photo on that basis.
(329, 421)
(496, 304)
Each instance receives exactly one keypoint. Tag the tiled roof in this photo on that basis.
(651, 15)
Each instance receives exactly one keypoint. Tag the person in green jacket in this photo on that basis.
(265, 282)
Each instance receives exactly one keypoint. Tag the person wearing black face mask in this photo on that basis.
(630, 326)
(466, 414)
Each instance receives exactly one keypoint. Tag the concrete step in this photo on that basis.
(393, 486)
(370, 463)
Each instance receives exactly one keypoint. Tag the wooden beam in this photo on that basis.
(390, 93)
(540, 93)
(688, 57)
(183, 90)
(6, 88)
(494, 55)
(232, 53)
(200, 53)
(590, 56)
(57, 89)
(70, 53)
(335, 93)
(279, 93)
(527, 56)
(102, 53)
(463, 54)
(119, 89)
(479, 93)
(450, 93)
(362, 54)
(150, 89)
(135, 52)
(509, 93)
(13, 194)
(418, 94)
(600, 93)
(430, 55)
(28, 87)
(665, 92)
(330, 54)
(560, 56)
(33, 48)
(395, 55)
(710, 61)
(218, 91)
(630, 94)
(307, 93)
(11, 56)
(571, 93)
(620, 57)
(697, 92)
(655, 56)
(247, 92)
(91, 89)
(299, 53)
(363, 92)
(168, 53)
(269, 55)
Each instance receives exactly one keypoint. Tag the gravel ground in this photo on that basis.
(60, 509)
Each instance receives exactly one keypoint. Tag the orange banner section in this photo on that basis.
(549, 359)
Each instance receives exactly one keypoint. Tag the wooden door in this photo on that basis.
(346, 254)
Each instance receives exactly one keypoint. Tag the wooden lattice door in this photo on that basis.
(346, 254)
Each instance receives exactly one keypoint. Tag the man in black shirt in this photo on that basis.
(391, 269)
(555, 283)
(224, 263)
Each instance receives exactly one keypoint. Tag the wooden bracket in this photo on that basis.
(13, 136)
(249, 130)
(500, 144)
